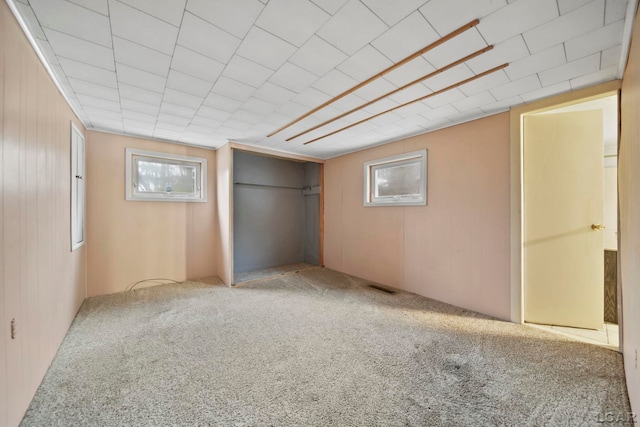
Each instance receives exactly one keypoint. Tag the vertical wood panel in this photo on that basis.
(36, 284)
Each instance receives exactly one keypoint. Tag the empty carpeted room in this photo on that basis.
(319, 212)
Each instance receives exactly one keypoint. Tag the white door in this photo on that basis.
(563, 211)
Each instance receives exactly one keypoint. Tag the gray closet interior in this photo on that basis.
(276, 212)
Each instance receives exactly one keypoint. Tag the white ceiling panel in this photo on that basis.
(352, 27)
(317, 56)
(233, 16)
(196, 65)
(203, 72)
(136, 26)
(446, 15)
(73, 20)
(197, 34)
(575, 23)
(170, 11)
(141, 57)
(308, 19)
(517, 18)
(408, 36)
(139, 78)
(67, 46)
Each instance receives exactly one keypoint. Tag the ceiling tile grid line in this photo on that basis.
(203, 72)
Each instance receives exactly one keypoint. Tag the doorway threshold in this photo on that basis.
(606, 337)
(250, 276)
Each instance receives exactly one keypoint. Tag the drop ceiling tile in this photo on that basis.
(330, 6)
(200, 128)
(236, 125)
(516, 18)
(452, 76)
(139, 27)
(101, 113)
(485, 83)
(47, 51)
(92, 101)
(223, 103)
(311, 97)
(375, 89)
(447, 15)
(231, 15)
(596, 77)
(196, 65)
(139, 94)
(274, 94)
(173, 96)
(232, 89)
(444, 98)
(246, 117)
(567, 6)
(416, 69)
(411, 93)
(99, 6)
(348, 102)
(610, 57)
(171, 121)
(106, 124)
(258, 106)
(137, 128)
(308, 19)
(502, 105)
(73, 20)
(517, 87)
(166, 134)
(392, 12)
(292, 77)
(247, 72)
(575, 23)
(32, 22)
(540, 61)
(80, 50)
(292, 109)
(139, 78)
(546, 91)
(138, 116)
(570, 70)
(364, 64)
(92, 89)
(478, 100)
(276, 120)
(88, 73)
(200, 36)
(334, 82)
(177, 110)
(213, 113)
(505, 52)
(141, 107)
(318, 56)
(440, 112)
(601, 39)
(455, 49)
(141, 57)
(352, 27)
(615, 11)
(188, 84)
(412, 110)
(407, 37)
(168, 10)
(265, 49)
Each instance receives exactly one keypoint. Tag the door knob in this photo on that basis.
(597, 227)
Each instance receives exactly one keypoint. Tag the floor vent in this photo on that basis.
(380, 288)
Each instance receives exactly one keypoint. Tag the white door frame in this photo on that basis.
(517, 201)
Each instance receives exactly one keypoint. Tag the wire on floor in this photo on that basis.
(159, 280)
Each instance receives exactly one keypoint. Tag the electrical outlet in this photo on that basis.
(13, 330)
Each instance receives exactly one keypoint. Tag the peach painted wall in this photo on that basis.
(42, 283)
(224, 197)
(455, 249)
(629, 199)
(128, 241)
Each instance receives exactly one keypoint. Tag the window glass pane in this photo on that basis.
(158, 176)
(397, 180)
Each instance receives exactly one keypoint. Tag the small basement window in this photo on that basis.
(396, 181)
(165, 177)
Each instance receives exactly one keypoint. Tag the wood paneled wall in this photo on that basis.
(42, 283)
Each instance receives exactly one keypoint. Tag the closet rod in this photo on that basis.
(272, 186)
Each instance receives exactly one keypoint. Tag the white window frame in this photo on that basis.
(77, 188)
(131, 195)
(420, 200)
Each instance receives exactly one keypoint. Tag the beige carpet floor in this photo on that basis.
(318, 348)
